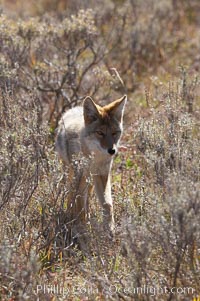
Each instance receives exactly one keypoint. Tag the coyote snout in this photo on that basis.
(112, 151)
(93, 132)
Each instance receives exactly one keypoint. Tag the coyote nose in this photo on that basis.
(111, 151)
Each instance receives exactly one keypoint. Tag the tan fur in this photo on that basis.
(91, 132)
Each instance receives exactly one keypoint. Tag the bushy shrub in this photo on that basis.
(48, 63)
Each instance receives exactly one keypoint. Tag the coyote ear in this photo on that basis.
(90, 110)
(117, 109)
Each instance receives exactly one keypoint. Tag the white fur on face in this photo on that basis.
(97, 150)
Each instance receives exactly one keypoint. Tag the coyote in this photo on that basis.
(91, 132)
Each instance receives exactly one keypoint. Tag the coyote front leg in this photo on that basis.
(103, 191)
(78, 197)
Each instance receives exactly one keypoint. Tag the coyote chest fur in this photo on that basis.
(92, 132)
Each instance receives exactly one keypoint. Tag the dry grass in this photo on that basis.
(48, 64)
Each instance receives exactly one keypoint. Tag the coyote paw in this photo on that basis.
(109, 230)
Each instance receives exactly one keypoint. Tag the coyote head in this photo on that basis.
(104, 124)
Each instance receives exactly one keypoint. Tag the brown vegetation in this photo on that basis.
(53, 54)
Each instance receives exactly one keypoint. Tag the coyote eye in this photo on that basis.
(100, 133)
(114, 134)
